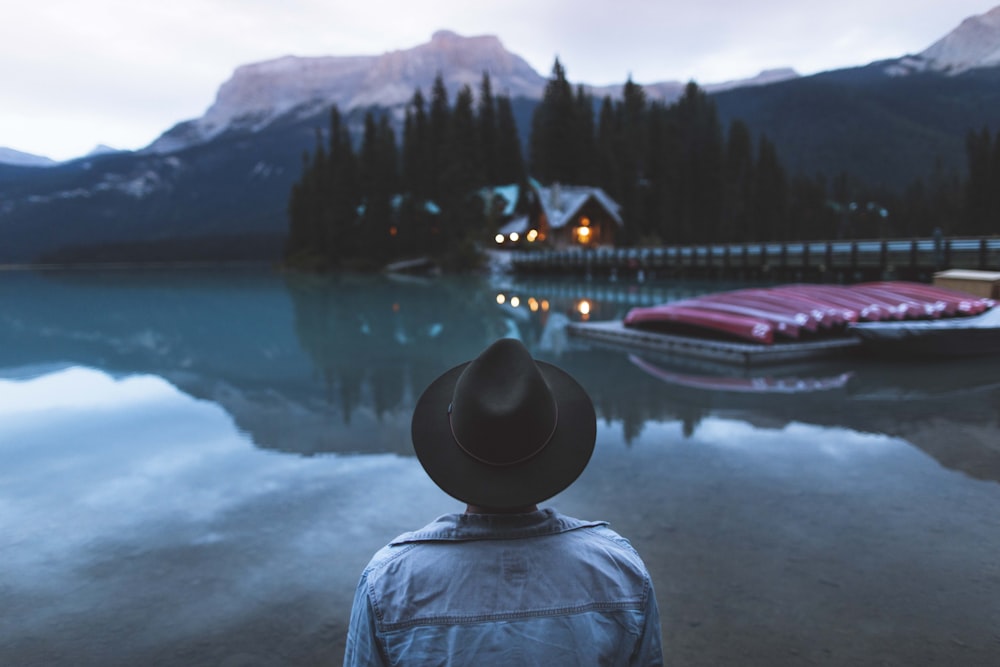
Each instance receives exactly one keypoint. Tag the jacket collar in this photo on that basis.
(466, 527)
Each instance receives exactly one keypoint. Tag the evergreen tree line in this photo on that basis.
(679, 177)
(982, 190)
(386, 201)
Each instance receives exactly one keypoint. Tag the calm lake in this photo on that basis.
(195, 466)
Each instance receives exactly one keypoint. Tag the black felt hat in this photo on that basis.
(504, 430)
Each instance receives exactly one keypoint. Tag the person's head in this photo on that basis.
(503, 430)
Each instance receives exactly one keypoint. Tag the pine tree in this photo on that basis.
(342, 196)
(770, 194)
(416, 149)
(378, 181)
(553, 131)
(700, 179)
(510, 159)
(438, 140)
(486, 117)
(464, 168)
(608, 169)
(736, 224)
(585, 139)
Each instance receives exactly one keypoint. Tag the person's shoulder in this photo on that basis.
(616, 546)
(403, 543)
(604, 531)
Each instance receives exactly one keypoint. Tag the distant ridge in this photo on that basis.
(21, 159)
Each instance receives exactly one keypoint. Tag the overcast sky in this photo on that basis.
(77, 73)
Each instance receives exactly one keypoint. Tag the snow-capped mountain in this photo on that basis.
(260, 93)
(974, 44)
(21, 159)
(103, 149)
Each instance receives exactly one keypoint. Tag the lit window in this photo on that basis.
(583, 234)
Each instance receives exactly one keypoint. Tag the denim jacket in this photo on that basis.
(491, 589)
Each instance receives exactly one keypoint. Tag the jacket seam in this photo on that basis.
(624, 605)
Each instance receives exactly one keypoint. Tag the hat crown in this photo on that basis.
(503, 411)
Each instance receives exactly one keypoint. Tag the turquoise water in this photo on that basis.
(196, 465)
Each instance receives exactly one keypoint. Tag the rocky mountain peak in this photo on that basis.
(258, 93)
(973, 44)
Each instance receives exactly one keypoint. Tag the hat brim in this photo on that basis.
(550, 471)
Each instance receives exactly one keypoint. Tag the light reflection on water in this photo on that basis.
(156, 506)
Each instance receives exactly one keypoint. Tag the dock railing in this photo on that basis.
(912, 259)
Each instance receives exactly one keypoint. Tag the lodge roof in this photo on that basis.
(561, 203)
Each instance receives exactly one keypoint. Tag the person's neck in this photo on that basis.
(476, 509)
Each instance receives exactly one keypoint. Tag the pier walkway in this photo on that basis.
(841, 261)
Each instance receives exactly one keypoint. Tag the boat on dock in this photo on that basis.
(754, 326)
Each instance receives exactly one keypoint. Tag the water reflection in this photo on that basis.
(333, 364)
(150, 512)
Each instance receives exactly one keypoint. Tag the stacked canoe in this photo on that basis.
(793, 312)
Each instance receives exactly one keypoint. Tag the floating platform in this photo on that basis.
(734, 353)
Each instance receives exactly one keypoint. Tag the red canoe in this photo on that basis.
(753, 329)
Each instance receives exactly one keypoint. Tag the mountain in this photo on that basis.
(102, 149)
(216, 187)
(13, 157)
(293, 88)
(886, 123)
(972, 45)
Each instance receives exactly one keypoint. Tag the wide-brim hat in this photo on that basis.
(503, 430)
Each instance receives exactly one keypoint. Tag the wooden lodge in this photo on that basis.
(561, 216)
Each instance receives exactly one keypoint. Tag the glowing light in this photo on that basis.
(583, 307)
(514, 236)
(532, 235)
(545, 305)
(499, 239)
(393, 231)
(533, 304)
(515, 301)
(501, 299)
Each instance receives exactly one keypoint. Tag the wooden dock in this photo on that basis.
(743, 355)
(828, 261)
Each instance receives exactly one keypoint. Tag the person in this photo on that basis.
(505, 583)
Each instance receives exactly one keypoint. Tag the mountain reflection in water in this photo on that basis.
(310, 364)
(195, 466)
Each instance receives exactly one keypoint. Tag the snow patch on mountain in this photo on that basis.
(21, 159)
(973, 44)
